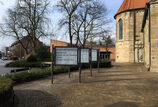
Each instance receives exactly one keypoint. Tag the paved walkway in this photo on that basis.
(124, 85)
(3, 69)
(6, 70)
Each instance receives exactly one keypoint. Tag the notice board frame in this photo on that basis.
(98, 56)
(88, 56)
(65, 64)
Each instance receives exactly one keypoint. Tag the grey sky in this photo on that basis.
(112, 5)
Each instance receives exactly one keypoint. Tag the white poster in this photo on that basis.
(94, 55)
(84, 55)
(66, 56)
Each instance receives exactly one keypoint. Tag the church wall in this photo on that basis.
(139, 39)
(154, 36)
(122, 46)
(146, 43)
(125, 47)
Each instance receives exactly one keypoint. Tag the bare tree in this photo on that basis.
(84, 19)
(94, 18)
(1, 3)
(106, 38)
(12, 28)
(69, 7)
(28, 19)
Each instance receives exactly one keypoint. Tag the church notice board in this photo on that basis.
(94, 55)
(85, 56)
(66, 56)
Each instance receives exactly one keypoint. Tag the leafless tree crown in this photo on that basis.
(84, 19)
(27, 19)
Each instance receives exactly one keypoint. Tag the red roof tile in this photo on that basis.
(131, 5)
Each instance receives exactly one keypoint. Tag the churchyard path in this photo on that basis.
(124, 85)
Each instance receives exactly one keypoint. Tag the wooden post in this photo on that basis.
(52, 66)
(98, 61)
(98, 67)
(80, 73)
(91, 69)
(69, 68)
(80, 65)
(52, 73)
(91, 63)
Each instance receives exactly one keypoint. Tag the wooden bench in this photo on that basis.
(19, 70)
(46, 64)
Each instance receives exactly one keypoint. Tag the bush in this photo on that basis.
(29, 76)
(60, 69)
(43, 53)
(6, 91)
(102, 64)
(23, 64)
(14, 58)
(32, 58)
(63, 69)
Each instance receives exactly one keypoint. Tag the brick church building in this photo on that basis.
(137, 33)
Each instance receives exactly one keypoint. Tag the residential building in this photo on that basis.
(110, 55)
(17, 49)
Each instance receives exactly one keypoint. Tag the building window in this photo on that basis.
(120, 29)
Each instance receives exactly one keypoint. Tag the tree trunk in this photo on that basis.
(70, 34)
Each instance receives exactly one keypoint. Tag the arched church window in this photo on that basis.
(120, 29)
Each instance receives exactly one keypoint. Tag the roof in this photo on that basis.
(65, 44)
(22, 40)
(60, 43)
(131, 5)
(102, 47)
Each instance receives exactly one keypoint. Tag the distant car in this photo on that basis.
(4, 58)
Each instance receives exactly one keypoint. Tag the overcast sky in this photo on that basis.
(112, 5)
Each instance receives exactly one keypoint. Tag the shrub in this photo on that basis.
(14, 58)
(26, 77)
(29, 76)
(6, 91)
(32, 58)
(23, 64)
(43, 54)
(102, 64)
(60, 69)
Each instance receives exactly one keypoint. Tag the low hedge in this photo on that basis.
(63, 69)
(32, 58)
(23, 64)
(29, 76)
(6, 92)
(102, 64)
(38, 64)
